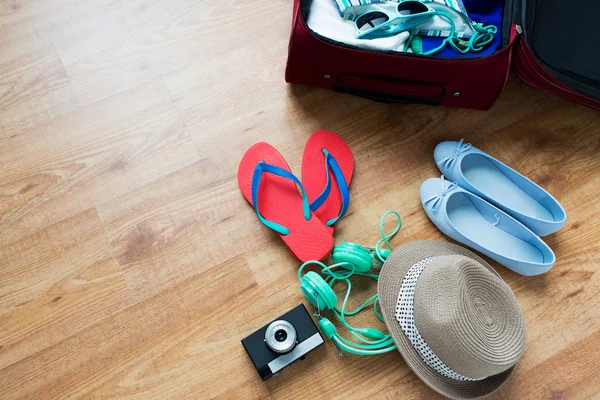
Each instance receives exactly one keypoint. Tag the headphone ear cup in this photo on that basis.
(313, 286)
(353, 254)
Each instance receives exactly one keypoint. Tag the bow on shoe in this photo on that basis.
(437, 199)
(449, 162)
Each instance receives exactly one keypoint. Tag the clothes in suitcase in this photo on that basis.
(550, 45)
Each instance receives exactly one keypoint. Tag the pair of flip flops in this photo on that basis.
(303, 213)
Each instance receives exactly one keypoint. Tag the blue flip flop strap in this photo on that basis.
(273, 169)
(330, 162)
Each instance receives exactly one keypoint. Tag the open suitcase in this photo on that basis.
(553, 45)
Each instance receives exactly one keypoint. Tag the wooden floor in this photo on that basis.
(130, 264)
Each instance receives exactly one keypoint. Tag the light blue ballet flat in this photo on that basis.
(501, 185)
(474, 222)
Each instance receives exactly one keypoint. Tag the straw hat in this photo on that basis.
(454, 320)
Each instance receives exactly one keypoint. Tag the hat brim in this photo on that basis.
(390, 281)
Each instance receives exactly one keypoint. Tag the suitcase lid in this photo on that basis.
(564, 36)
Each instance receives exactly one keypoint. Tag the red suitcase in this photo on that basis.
(551, 45)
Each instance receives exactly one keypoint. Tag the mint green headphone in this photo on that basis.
(349, 259)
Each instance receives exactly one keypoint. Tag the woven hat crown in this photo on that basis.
(468, 316)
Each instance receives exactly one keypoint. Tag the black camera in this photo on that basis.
(283, 341)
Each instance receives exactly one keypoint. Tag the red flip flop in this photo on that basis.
(267, 183)
(327, 167)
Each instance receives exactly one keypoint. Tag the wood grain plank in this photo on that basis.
(55, 283)
(20, 18)
(90, 33)
(140, 348)
(95, 154)
(176, 227)
(571, 373)
(34, 86)
(157, 37)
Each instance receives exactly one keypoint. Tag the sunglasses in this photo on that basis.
(386, 21)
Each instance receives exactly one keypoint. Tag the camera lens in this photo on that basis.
(280, 336)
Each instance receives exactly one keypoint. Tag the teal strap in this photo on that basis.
(361, 352)
(262, 167)
(481, 38)
(382, 254)
(387, 341)
(376, 310)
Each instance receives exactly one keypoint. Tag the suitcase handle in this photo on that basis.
(390, 90)
(382, 97)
